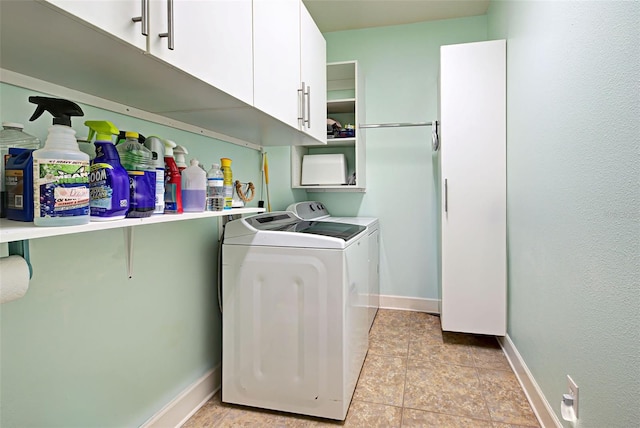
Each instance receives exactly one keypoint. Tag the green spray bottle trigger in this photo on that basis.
(60, 109)
(103, 128)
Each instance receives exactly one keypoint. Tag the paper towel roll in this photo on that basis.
(14, 278)
(568, 413)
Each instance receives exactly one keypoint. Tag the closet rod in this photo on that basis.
(396, 125)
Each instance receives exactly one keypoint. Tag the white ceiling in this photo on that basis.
(338, 15)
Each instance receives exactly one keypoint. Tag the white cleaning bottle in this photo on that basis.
(60, 169)
(194, 187)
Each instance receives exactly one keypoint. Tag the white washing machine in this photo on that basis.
(314, 210)
(294, 329)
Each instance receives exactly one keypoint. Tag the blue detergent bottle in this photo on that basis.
(108, 180)
(19, 175)
(137, 160)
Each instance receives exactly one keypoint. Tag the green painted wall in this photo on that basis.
(88, 347)
(401, 66)
(574, 199)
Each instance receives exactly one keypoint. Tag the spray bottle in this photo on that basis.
(60, 169)
(172, 181)
(108, 181)
(181, 161)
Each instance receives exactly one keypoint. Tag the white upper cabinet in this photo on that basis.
(313, 73)
(210, 40)
(114, 17)
(289, 65)
(276, 59)
(203, 73)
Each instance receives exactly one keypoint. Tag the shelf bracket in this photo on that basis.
(128, 243)
(21, 248)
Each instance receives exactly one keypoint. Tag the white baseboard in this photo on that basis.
(545, 414)
(185, 405)
(431, 306)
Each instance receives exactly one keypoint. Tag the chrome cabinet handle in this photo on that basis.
(144, 18)
(308, 95)
(169, 34)
(446, 196)
(301, 113)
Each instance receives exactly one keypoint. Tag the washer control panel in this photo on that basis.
(309, 210)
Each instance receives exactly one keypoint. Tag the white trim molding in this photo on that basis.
(545, 414)
(188, 402)
(402, 303)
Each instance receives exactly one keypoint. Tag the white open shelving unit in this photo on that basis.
(345, 103)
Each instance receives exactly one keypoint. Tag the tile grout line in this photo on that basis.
(482, 391)
(406, 370)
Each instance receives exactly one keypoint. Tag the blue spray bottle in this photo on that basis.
(108, 180)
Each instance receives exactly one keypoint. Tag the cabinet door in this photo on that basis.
(313, 66)
(276, 44)
(114, 17)
(211, 41)
(473, 165)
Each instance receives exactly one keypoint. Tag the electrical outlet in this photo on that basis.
(573, 390)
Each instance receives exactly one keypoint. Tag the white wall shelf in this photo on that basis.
(16, 230)
(341, 106)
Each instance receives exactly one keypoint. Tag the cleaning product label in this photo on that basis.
(109, 193)
(142, 193)
(15, 189)
(19, 174)
(170, 197)
(172, 189)
(61, 188)
(159, 191)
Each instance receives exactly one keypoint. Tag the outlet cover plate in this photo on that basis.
(573, 390)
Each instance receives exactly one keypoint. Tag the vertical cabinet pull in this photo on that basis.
(308, 95)
(144, 18)
(446, 196)
(169, 34)
(301, 104)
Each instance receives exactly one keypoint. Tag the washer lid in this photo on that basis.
(285, 229)
(287, 222)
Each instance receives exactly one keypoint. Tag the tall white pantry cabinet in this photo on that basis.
(473, 187)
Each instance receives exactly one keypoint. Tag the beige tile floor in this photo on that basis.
(414, 376)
